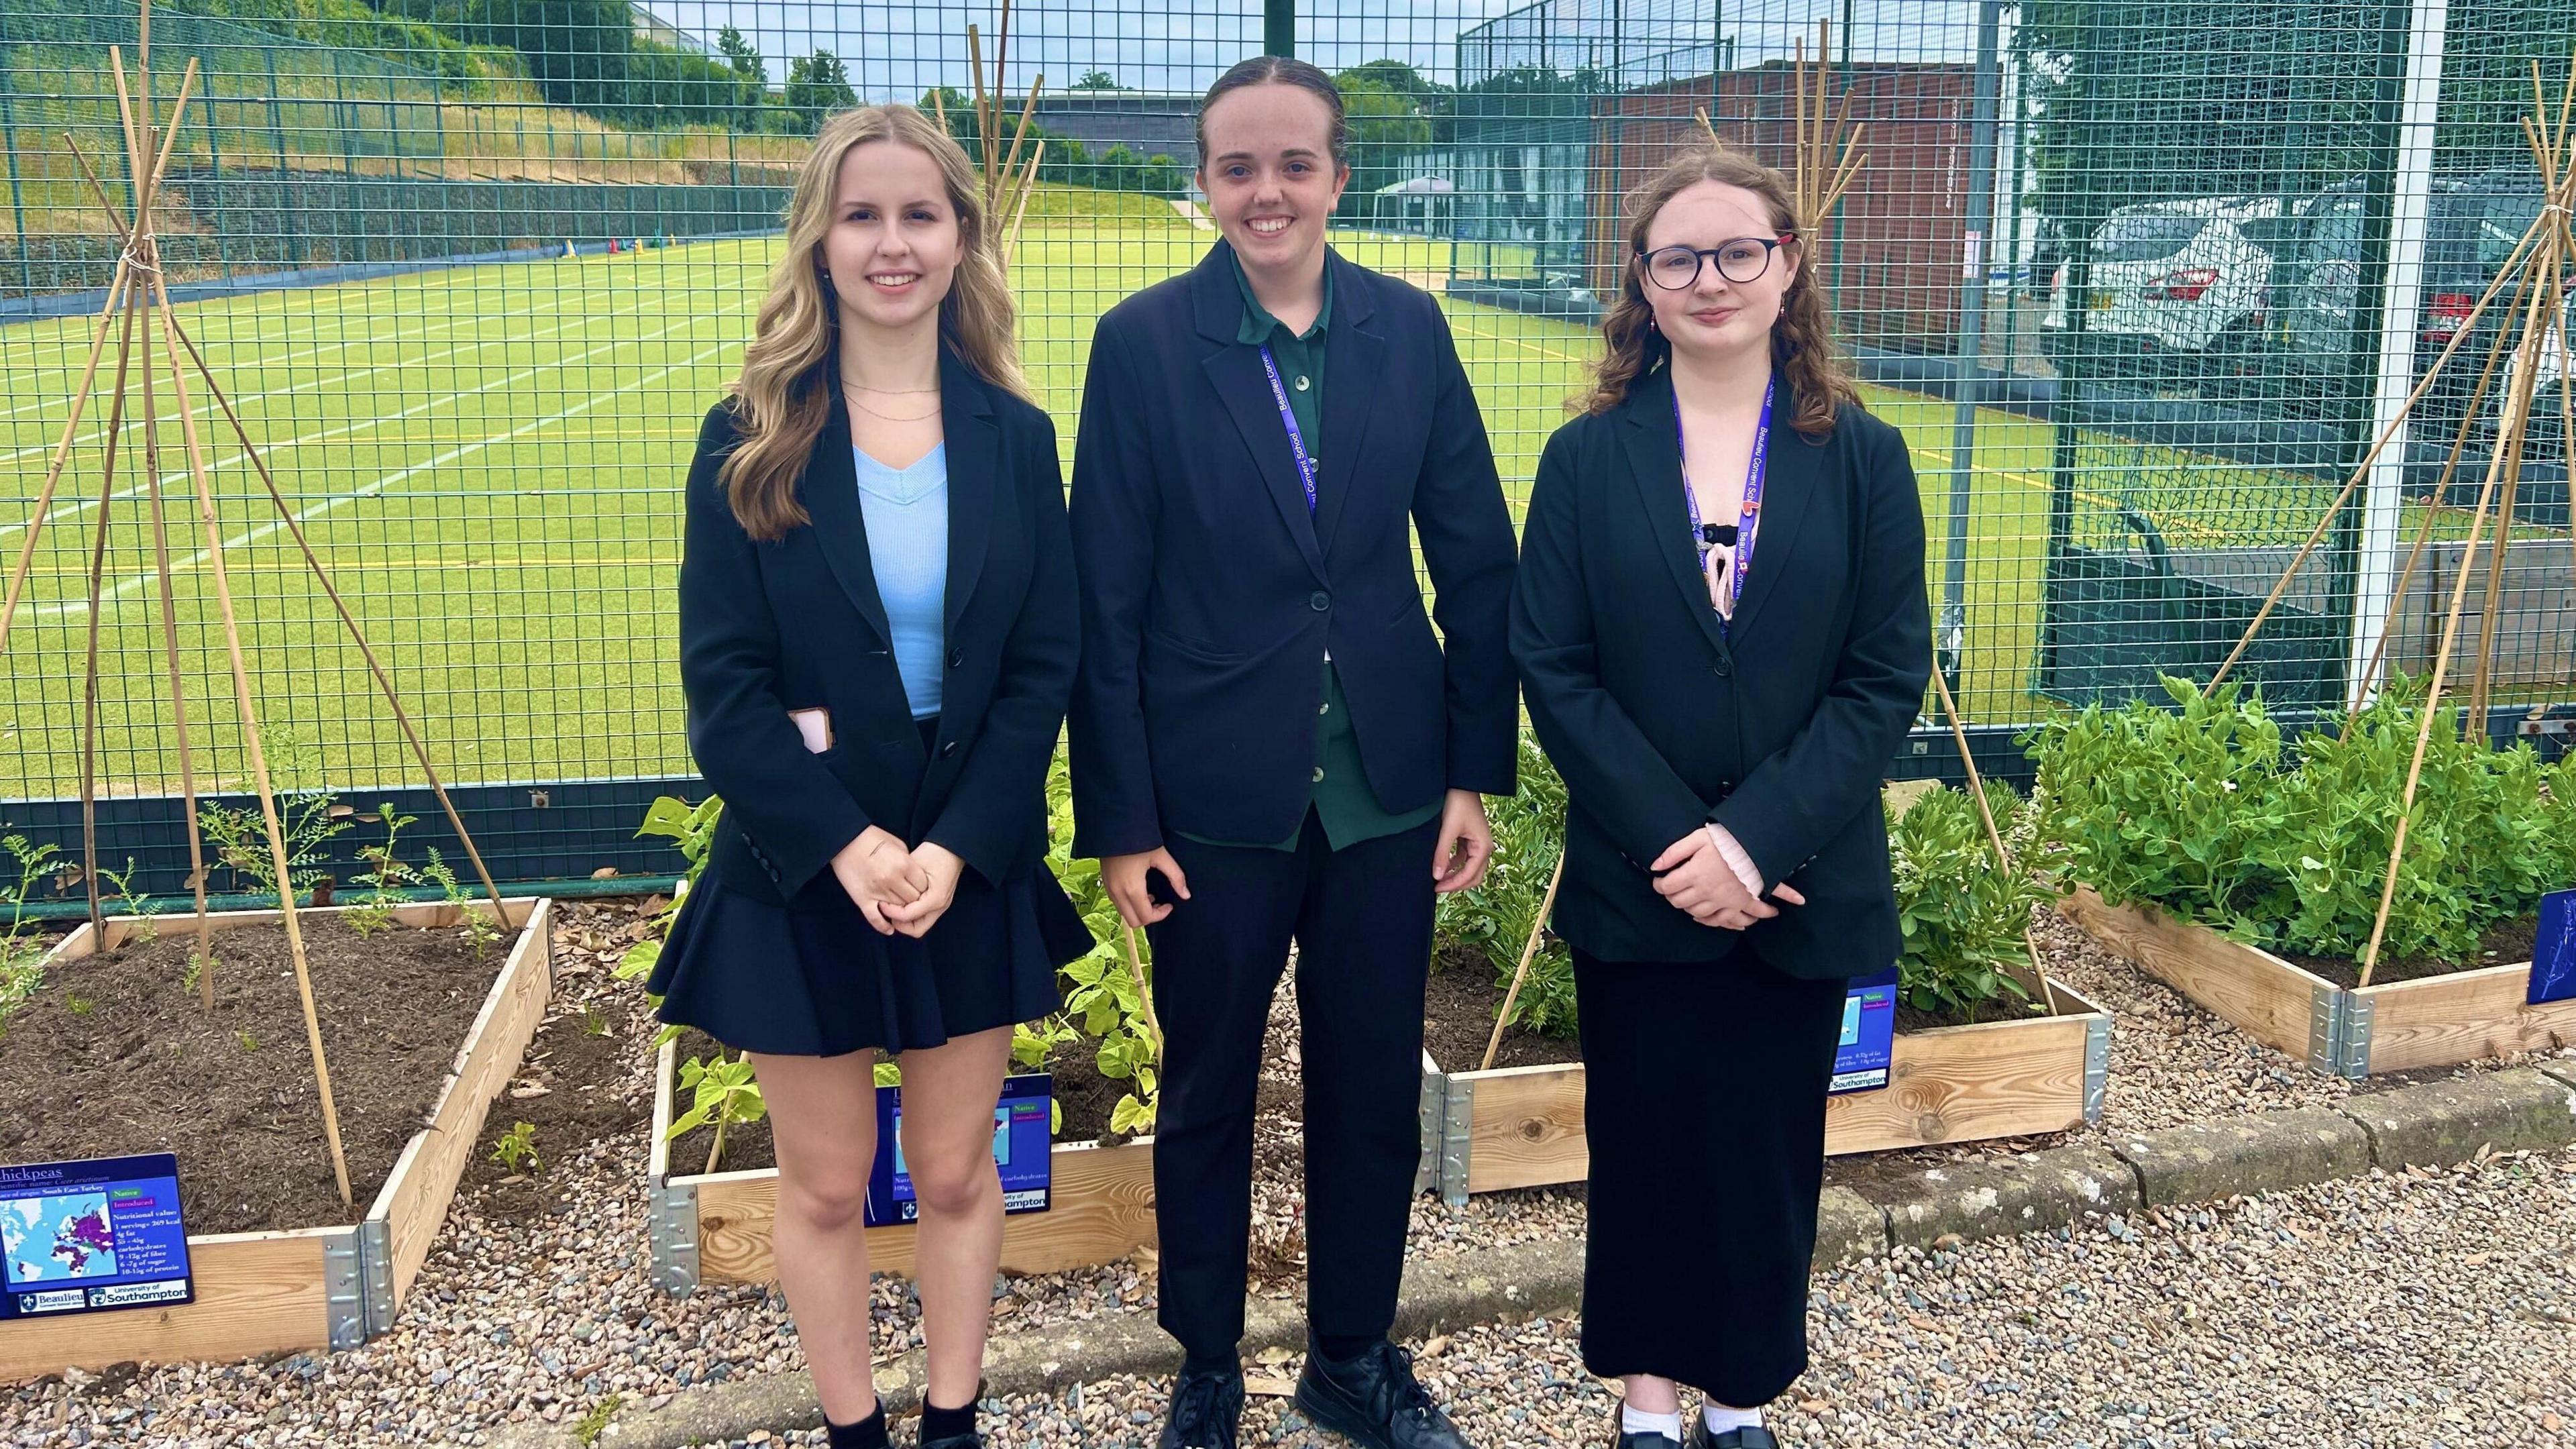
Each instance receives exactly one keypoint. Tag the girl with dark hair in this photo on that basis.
(1721, 628)
(1270, 743)
(876, 643)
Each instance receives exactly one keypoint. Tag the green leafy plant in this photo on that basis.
(78, 1005)
(721, 1092)
(386, 877)
(593, 1024)
(516, 1150)
(241, 841)
(595, 1423)
(1495, 919)
(121, 883)
(2171, 806)
(248, 1042)
(195, 970)
(1101, 999)
(1961, 916)
(480, 929)
(22, 943)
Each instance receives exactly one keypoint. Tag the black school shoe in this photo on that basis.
(1375, 1400)
(1206, 1411)
(971, 1439)
(1753, 1438)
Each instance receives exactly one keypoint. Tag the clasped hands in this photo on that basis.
(1696, 877)
(900, 891)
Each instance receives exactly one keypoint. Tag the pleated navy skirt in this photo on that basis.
(819, 980)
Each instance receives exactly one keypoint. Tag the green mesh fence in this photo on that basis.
(2132, 278)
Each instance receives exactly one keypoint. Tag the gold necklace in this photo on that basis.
(849, 394)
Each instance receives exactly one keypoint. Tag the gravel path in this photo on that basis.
(548, 1312)
(2431, 1310)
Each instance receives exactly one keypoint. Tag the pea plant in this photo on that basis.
(2203, 810)
(22, 941)
(1961, 917)
(386, 877)
(1495, 919)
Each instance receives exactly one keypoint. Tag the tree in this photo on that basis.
(577, 49)
(1096, 80)
(739, 53)
(817, 86)
(1387, 131)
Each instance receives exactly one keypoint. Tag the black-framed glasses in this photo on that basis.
(1744, 259)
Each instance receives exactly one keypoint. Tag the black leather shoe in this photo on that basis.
(972, 1439)
(1206, 1411)
(1753, 1438)
(1374, 1400)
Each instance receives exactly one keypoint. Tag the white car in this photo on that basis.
(2181, 287)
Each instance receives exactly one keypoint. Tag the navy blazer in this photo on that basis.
(772, 626)
(1779, 729)
(1209, 596)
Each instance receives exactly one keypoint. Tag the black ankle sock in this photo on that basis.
(938, 1423)
(1228, 1362)
(1340, 1349)
(868, 1433)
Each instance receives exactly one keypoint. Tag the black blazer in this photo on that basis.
(1209, 597)
(1780, 732)
(768, 627)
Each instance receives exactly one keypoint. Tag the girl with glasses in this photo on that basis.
(1722, 633)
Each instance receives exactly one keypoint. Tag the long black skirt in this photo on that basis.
(1704, 1105)
(819, 981)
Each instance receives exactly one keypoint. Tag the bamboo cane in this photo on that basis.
(2038, 981)
(1020, 211)
(89, 672)
(250, 736)
(1529, 952)
(1144, 989)
(2506, 459)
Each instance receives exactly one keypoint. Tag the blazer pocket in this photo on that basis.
(1189, 648)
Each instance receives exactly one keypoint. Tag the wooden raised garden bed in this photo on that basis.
(312, 1287)
(1522, 1126)
(715, 1227)
(2396, 1026)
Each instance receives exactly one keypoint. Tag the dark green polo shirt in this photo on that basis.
(1342, 798)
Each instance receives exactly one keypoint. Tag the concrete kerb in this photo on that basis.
(2433, 1124)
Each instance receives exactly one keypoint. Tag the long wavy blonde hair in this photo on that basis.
(790, 369)
(1802, 339)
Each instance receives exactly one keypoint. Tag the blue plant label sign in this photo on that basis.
(1868, 1046)
(85, 1237)
(1023, 1148)
(2553, 955)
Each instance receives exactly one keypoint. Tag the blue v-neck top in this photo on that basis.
(906, 510)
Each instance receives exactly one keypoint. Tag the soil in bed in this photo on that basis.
(1086, 1097)
(1465, 995)
(113, 1056)
(2505, 943)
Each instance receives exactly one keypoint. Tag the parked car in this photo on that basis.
(2177, 289)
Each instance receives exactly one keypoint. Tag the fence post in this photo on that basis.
(340, 116)
(9, 144)
(2375, 577)
(1279, 27)
(1967, 378)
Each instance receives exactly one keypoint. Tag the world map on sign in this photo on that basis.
(58, 1237)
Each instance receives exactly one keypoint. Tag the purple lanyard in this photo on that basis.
(1297, 440)
(1748, 518)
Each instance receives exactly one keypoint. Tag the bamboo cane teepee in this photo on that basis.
(139, 291)
(2532, 332)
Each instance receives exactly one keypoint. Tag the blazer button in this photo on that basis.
(1725, 667)
(948, 749)
(957, 659)
(1321, 602)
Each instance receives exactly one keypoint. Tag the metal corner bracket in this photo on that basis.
(2352, 1043)
(376, 1274)
(2325, 1029)
(1427, 1114)
(1457, 1130)
(344, 1291)
(673, 1213)
(2097, 1064)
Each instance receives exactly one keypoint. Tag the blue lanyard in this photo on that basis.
(1296, 439)
(1747, 518)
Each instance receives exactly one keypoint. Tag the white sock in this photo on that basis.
(1720, 1418)
(1633, 1420)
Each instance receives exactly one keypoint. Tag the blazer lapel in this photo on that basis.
(1790, 477)
(1244, 389)
(1354, 360)
(1655, 464)
(831, 493)
(974, 462)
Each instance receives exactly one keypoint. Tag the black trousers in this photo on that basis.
(1704, 1102)
(1361, 918)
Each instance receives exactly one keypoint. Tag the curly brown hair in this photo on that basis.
(1802, 340)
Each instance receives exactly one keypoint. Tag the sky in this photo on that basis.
(895, 50)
